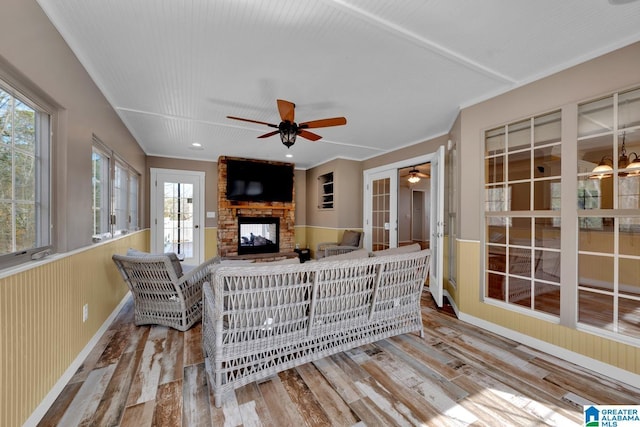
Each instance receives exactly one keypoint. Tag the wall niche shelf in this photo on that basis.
(325, 191)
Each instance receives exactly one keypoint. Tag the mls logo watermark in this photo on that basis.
(611, 415)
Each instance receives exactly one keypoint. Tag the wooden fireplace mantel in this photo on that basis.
(251, 205)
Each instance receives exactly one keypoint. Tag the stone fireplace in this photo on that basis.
(229, 239)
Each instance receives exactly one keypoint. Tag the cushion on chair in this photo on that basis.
(350, 238)
(357, 254)
(399, 250)
(175, 262)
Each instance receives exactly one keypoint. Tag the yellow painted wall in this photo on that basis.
(447, 285)
(301, 236)
(210, 242)
(614, 353)
(41, 325)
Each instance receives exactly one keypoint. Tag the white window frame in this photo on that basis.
(498, 209)
(624, 215)
(121, 208)
(101, 230)
(42, 182)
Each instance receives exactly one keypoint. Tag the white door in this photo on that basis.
(381, 210)
(177, 220)
(437, 225)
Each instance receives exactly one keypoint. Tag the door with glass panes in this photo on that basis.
(177, 220)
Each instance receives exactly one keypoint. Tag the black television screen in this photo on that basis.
(259, 182)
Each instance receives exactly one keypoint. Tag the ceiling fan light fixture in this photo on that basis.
(415, 175)
(288, 138)
(288, 129)
(288, 133)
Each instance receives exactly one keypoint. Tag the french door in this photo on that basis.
(177, 213)
(380, 212)
(437, 226)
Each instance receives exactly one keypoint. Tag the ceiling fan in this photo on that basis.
(414, 175)
(289, 129)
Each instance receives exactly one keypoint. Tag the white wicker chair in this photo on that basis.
(162, 295)
(351, 241)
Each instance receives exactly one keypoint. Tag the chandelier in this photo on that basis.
(604, 169)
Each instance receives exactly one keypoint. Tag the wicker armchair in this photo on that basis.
(351, 241)
(162, 294)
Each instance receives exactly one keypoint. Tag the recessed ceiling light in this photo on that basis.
(196, 146)
(289, 155)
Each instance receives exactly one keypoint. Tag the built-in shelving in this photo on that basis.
(325, 191)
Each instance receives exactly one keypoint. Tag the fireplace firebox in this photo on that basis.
(258, 235)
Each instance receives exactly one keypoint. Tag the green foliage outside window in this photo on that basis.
(18, 229)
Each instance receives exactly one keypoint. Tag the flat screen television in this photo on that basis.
(259, 182)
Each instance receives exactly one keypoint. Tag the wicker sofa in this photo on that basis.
(261, 319)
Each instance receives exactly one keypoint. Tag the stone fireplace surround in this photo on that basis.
(229, 211)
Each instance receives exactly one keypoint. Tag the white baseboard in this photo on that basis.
(55, 391)
(614, 372)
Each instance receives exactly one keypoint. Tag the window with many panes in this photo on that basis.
(24, 177)
(609, 214)
(115, 189)
(522, 237)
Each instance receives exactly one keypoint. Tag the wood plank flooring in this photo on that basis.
(458, 375)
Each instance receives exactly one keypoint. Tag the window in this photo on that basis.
(608, 208)
(100, 192)
(115, 189)
(522, 213)
(120, 200)
(133, 200)
(24, 177)
(498, 199)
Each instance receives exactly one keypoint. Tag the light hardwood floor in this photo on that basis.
(457, 375)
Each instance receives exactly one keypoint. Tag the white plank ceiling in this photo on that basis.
(399, 71)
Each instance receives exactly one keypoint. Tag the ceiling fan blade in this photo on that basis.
(309, 135)
(267, 135)
(252, 121)
(423, 175)
(323, 123)
(287, 110)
